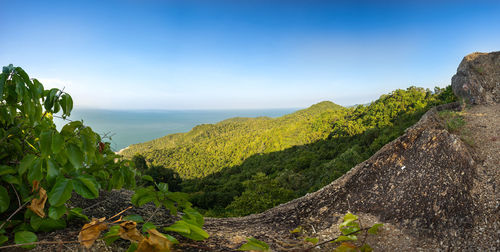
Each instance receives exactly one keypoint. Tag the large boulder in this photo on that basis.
(478, 78)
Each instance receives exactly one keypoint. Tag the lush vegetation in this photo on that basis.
(244, 165)
(41, 166)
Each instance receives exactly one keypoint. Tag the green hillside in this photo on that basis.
(246, 165)
(208, 148)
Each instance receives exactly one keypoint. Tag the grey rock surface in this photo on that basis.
(477, 80)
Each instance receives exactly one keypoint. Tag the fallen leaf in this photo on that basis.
(129, 231)
(91, 231)
(37, 205)
(156, 242)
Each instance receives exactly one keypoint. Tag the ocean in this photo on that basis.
(126, 127)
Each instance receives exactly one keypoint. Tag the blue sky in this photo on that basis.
(154, 54)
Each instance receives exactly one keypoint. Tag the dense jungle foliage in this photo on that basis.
(246, 165)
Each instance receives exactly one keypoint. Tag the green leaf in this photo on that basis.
(4, 199)
(3, 239)
(45, 142)
(57, 212)
(11, 179)
(61, 192)
(312, 240)
(36, 171)
(143, 196)
(346, 238)
(4, 169)
(348, 219)
(147, 178)
(349, 230)
(57, 142)
(75, 156)
(77, 212)
(23, 75)
(22, 237)
(163, 187)
(132, 247)
(374, 228)
(86, 186)
(134, 217)
(147, 226)
(112, 235)
(46, 224)
(3, 78)
(52, 171)
(180, 227)
(197, 233)
(192, 216)
(254, 244)
(26, 163)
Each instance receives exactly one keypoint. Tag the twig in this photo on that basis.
(14, 213)
(327, 241)
(98, 203)
(153, 214)
(17, 195)
(114, 216)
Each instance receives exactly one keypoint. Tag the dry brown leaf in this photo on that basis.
(37, 205)
(36, 184)
(91, 231)
(129, 231)
(156, 242)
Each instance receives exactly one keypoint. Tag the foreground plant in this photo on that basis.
(40, 166)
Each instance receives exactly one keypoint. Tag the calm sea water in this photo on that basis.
(128, 127)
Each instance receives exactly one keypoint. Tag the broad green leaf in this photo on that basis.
(11, 179)
(3, 239)
(23, 75)
(192, 216)
(77, 212)
(196, 233)
(57, 142)
(346, 238)
(180, 227)
(134, 217)
(36, 171)
(3, 78)
(69, 128)
(312, 240)
(147, 226)
(52, 171)
(38, 89)
(348, 219)
(255, 245)
(46, 224)
(26, 163)
(22, 237)
(61, 192)
(45, 142)
(57, 212)
(349, 230)
(4, 199)
(4, 169)
(147, 178)
(75, 155)
(374, 228)
(163, 187)
(132, 247)
(86, 186)
(112, 235)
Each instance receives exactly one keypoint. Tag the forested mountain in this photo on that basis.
(246, 165)
(208, 148)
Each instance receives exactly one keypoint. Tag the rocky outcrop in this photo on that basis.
(478, 78)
